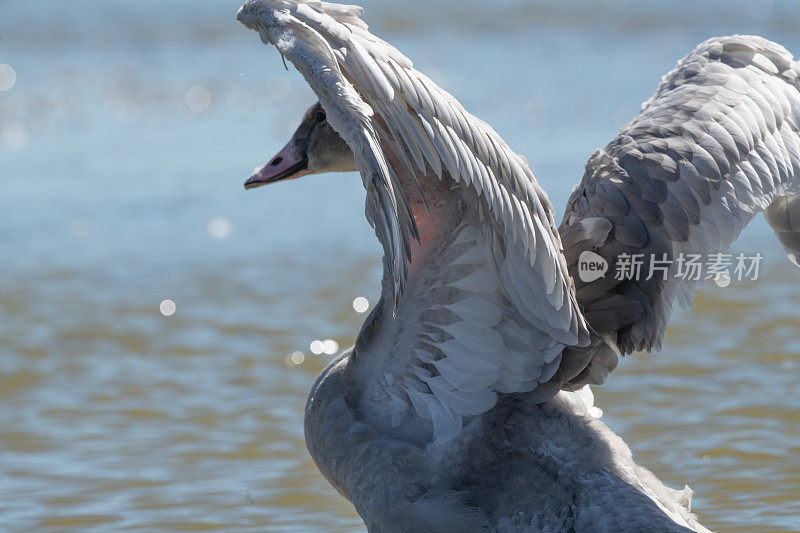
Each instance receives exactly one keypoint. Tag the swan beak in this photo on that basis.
(286, 165)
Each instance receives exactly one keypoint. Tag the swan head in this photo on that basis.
(313, 149)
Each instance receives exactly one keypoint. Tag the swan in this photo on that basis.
(464, 404)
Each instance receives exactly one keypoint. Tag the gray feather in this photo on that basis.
(716, 144)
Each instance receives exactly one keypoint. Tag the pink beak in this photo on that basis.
(286, 165)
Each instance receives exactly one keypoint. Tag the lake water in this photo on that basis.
(124, 143)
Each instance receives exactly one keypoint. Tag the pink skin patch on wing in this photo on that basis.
(428, 218)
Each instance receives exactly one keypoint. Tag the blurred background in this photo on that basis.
(160, 328)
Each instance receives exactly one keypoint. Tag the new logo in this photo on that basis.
(591, 267)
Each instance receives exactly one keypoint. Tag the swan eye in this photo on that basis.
(321, 116)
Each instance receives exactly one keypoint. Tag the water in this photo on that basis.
(125, 141)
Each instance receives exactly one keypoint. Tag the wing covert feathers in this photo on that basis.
(716, 144)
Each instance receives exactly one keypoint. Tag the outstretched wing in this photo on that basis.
(373, 95)
(284, 24)
(716, 144)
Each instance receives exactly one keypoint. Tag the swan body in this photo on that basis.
(464, 404)
(522, 467)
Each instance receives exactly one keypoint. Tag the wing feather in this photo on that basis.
(716, 144)
(364, 80)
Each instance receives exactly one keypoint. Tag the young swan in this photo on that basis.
(448, 414)
(561, 444)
